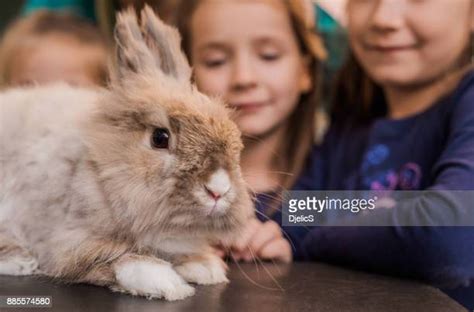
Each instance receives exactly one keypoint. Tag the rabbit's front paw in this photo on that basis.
(19, 265)
(208, 270)
(152, 279)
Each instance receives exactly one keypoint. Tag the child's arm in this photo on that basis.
(438, 255)
(443, 255)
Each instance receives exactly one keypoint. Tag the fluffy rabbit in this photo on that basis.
(124, 187)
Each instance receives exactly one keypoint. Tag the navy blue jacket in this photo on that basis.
(433, 150)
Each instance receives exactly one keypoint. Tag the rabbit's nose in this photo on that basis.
(218, 184)
(213, 194)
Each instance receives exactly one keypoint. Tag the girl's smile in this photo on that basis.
(398, 41)
(390, 47)
(250, 106)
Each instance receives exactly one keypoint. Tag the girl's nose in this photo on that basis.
(388, 15)
(243, 73)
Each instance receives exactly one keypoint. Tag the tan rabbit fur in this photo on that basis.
(88, 196)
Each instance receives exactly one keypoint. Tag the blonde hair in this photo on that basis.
(29, 30)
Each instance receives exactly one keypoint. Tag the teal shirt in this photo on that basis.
(335, 39)
(84, 8)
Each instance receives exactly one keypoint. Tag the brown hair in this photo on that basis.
(295, 147)
(24, 31)
(354, 96)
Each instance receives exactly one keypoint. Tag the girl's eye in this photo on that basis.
(160, 138)
(214, 63)
(270, 56)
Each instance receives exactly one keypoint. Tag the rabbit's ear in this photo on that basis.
(164, 43)
(133, 55)
(153, 47)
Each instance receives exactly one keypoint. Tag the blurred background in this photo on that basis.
(8, 11)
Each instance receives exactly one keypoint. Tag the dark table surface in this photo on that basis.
(269, 287)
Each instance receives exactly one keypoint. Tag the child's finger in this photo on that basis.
(269, 231)
(279, 249)
(236, 255)
(242, 242)
(219, 251)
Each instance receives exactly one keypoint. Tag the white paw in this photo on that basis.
(208, 271)
(152, 279)
(19, 265)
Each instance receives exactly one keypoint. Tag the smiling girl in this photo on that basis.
(403, 119)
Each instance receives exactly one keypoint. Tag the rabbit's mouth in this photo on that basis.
(216, 194)
(213, 205)
(214, 216)
(229, 213)
(214, 208)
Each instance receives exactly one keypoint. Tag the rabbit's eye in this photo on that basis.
(160, 138)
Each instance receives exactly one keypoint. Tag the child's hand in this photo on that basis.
(262, 240)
